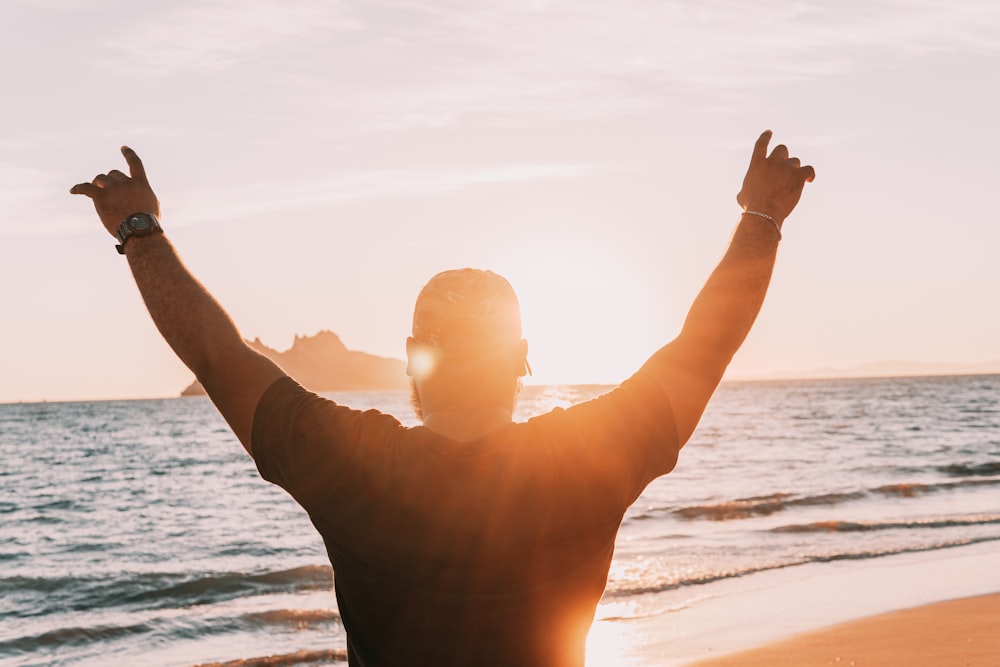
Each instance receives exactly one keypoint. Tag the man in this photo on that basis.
(469, 540)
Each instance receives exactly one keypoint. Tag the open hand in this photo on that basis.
(773, 183)
(117, 196)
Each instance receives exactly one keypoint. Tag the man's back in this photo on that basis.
(490, 552)
(442, 555)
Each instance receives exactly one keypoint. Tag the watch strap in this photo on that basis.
(137, 224)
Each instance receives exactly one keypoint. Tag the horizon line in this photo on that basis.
(844, 374)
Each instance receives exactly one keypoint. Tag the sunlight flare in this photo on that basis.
(422, 362)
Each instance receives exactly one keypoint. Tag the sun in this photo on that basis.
(582, 308)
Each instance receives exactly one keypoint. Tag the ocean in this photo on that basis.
(138, 532)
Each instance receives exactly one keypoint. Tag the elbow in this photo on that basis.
(218, 361)
(707, 355)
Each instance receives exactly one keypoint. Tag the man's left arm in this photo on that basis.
(690, 367)
(192, 322)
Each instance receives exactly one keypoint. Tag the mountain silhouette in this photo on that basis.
(323, 363)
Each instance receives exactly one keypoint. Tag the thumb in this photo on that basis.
(86, 189)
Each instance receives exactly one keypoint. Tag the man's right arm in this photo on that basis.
(194, 325)
(691, 366)
(201, 333)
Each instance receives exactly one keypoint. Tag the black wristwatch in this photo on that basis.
(137, 224)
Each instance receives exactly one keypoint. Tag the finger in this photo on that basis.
(794, 161)
(116, 176)
(88, 189)
(135, 167)
(760, 148)
(809, 173)
(100, 180)
(780, 152)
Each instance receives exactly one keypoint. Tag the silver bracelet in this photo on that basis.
(774, 222)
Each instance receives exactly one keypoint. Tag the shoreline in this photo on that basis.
(685, 627)
(953, 632)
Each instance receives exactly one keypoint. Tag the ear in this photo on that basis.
(521, 365)
(411, 348)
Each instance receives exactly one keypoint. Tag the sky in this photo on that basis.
(318, 161)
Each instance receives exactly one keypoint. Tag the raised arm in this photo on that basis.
(691, 366)
(194, 325)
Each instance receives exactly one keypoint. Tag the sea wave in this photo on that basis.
(70, 637)
(157, 590)
(299, 618)
(865, 526)
(284, 660)
(170, 629)
(909, 490)
(971, 470)
(626, 589)
(744, 508)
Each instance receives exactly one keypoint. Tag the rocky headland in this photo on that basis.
(323, 363)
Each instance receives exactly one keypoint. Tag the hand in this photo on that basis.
(117, 196)
(774, 183)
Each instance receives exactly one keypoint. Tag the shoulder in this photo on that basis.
(637, 403)
(294, 408)
(626, 437)
(297, 432)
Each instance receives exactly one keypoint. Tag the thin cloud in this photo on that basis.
(435, 64)
(382, 184)
(219, 34)
(27, 199)
(20, 183)
(401, 65)
(32, 191)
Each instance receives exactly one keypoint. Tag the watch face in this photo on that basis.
(139, 222)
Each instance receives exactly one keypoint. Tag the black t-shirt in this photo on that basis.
(493, 552)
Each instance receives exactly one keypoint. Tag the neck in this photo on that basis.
(467, 425)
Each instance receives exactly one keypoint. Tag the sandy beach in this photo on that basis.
(941, 606)
(962, 632)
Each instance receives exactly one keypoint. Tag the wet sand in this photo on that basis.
(963, 633)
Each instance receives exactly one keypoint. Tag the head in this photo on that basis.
(466, 350)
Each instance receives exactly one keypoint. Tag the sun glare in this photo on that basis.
(421, 362)
(581, 308)
(608, 644)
